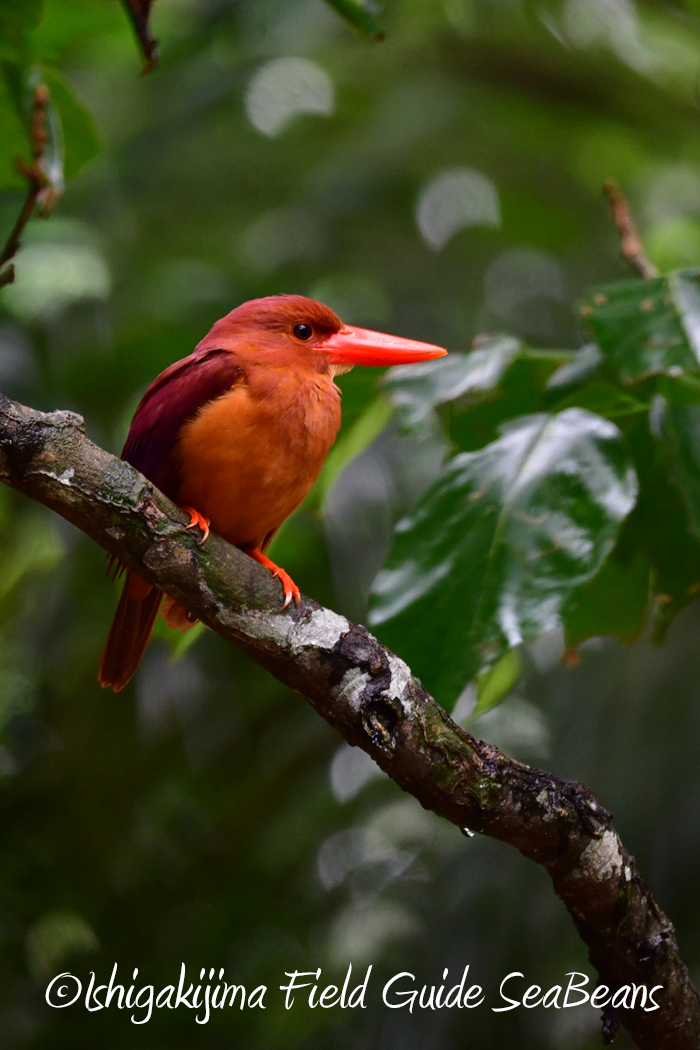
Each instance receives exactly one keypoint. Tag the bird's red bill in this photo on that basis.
(360, 346)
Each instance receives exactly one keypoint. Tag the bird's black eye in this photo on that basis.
(302, 331)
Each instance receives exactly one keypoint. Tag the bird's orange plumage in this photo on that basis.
(250, 457)
(238, 433)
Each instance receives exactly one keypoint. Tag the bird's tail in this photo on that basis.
(129, 633)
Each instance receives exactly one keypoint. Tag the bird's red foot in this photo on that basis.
(291, 591)
(198, 520)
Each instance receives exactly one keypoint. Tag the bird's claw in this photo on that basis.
(291, 591)
(198, 520)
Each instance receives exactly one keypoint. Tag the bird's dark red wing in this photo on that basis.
(170, 401)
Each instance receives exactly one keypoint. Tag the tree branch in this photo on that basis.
(39, 189)
(631, 247)
(139, 12)
(369, 695)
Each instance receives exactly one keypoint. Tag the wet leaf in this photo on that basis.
(474, 377)
(648, 327)
(498, 546)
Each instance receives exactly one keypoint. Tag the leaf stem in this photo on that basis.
(631, 246)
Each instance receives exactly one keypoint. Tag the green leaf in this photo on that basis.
(72, 136)
(659, 527)
(474, 377)
(17, 18)
(648, 327)
(359, 437)
(614, 602)
(499, 544)
(358, 15)
(35, 547)
(522, 392)
(584, 365)
(184, 641)
(178, 642)
(605, 399)
(681, 431)
(15, 139)
(494, 685)
(78, 132)
(683, 389)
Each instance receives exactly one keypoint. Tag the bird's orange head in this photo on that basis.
(306, 327)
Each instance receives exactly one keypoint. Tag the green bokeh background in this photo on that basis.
(206, 814)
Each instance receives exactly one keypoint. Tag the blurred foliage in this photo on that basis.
(444, 183)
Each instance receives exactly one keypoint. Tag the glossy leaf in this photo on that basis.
(474, 377)
(498, 546)
(522, 391)
(648, 327)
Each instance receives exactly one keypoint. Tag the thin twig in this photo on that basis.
(40, 192)
(631, 247)
(139, 13)
(370, 696)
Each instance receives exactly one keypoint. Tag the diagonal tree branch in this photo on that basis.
(369, 695)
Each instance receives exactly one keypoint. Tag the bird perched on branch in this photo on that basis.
(237, 433)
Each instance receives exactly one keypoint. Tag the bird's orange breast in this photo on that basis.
(249, 458)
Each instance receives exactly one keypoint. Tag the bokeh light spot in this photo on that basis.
(284, 87)
(455, 199)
